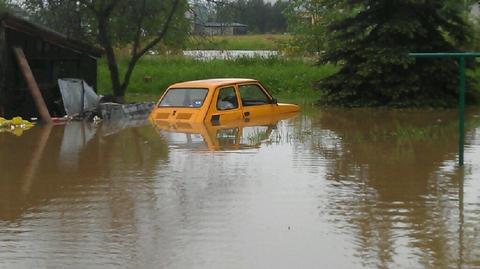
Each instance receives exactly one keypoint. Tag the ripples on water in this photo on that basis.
(331, 189)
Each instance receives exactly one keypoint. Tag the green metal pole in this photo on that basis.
(461, 124)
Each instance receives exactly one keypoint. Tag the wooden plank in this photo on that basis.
(32, 85)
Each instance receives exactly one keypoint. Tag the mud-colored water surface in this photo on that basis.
(326, 189)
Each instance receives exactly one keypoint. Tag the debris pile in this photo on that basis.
(81, 102)
(114, 111)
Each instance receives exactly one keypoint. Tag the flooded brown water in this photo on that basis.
(327, 189)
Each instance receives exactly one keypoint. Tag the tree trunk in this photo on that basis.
(104, 39)
(136, 55)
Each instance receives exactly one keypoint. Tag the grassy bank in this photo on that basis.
(241, 42)
(288, 79)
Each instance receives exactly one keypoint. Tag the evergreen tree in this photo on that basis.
(371, 43)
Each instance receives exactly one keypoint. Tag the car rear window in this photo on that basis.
(184, 98)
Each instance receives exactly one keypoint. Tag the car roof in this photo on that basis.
(211, 83)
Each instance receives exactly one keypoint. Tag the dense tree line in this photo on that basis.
(260, 16)
(67, 17)
(6, 5)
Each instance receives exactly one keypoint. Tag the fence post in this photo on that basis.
(461, 123)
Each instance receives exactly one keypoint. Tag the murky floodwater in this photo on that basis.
(327, 189)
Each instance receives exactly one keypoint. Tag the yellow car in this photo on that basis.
(217, 101)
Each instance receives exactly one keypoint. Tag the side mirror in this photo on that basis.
(274, 101)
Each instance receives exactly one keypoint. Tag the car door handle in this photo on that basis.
(215, 120)
(246, 114)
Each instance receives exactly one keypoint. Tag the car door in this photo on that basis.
(255, 100)
(225, 106)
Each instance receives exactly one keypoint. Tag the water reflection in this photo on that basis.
(39, 165)
(234, 135)
(408, 194)
(330, 188)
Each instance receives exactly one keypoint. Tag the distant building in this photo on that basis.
(221, 28)
(198, 15)
(308, 17)
(51, 56)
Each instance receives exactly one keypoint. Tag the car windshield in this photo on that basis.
(184, 98)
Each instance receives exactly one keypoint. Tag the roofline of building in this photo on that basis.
(13, 22)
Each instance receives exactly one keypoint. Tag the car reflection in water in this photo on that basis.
(230, 136)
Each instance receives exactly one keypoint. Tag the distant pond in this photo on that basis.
(229, 54)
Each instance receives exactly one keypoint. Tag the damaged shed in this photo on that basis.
(50, 55)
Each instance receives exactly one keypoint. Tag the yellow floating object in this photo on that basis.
(16, 126)
(17, 121)
(17, 131)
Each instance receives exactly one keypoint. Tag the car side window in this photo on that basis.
(253, 95)
(227, 99)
